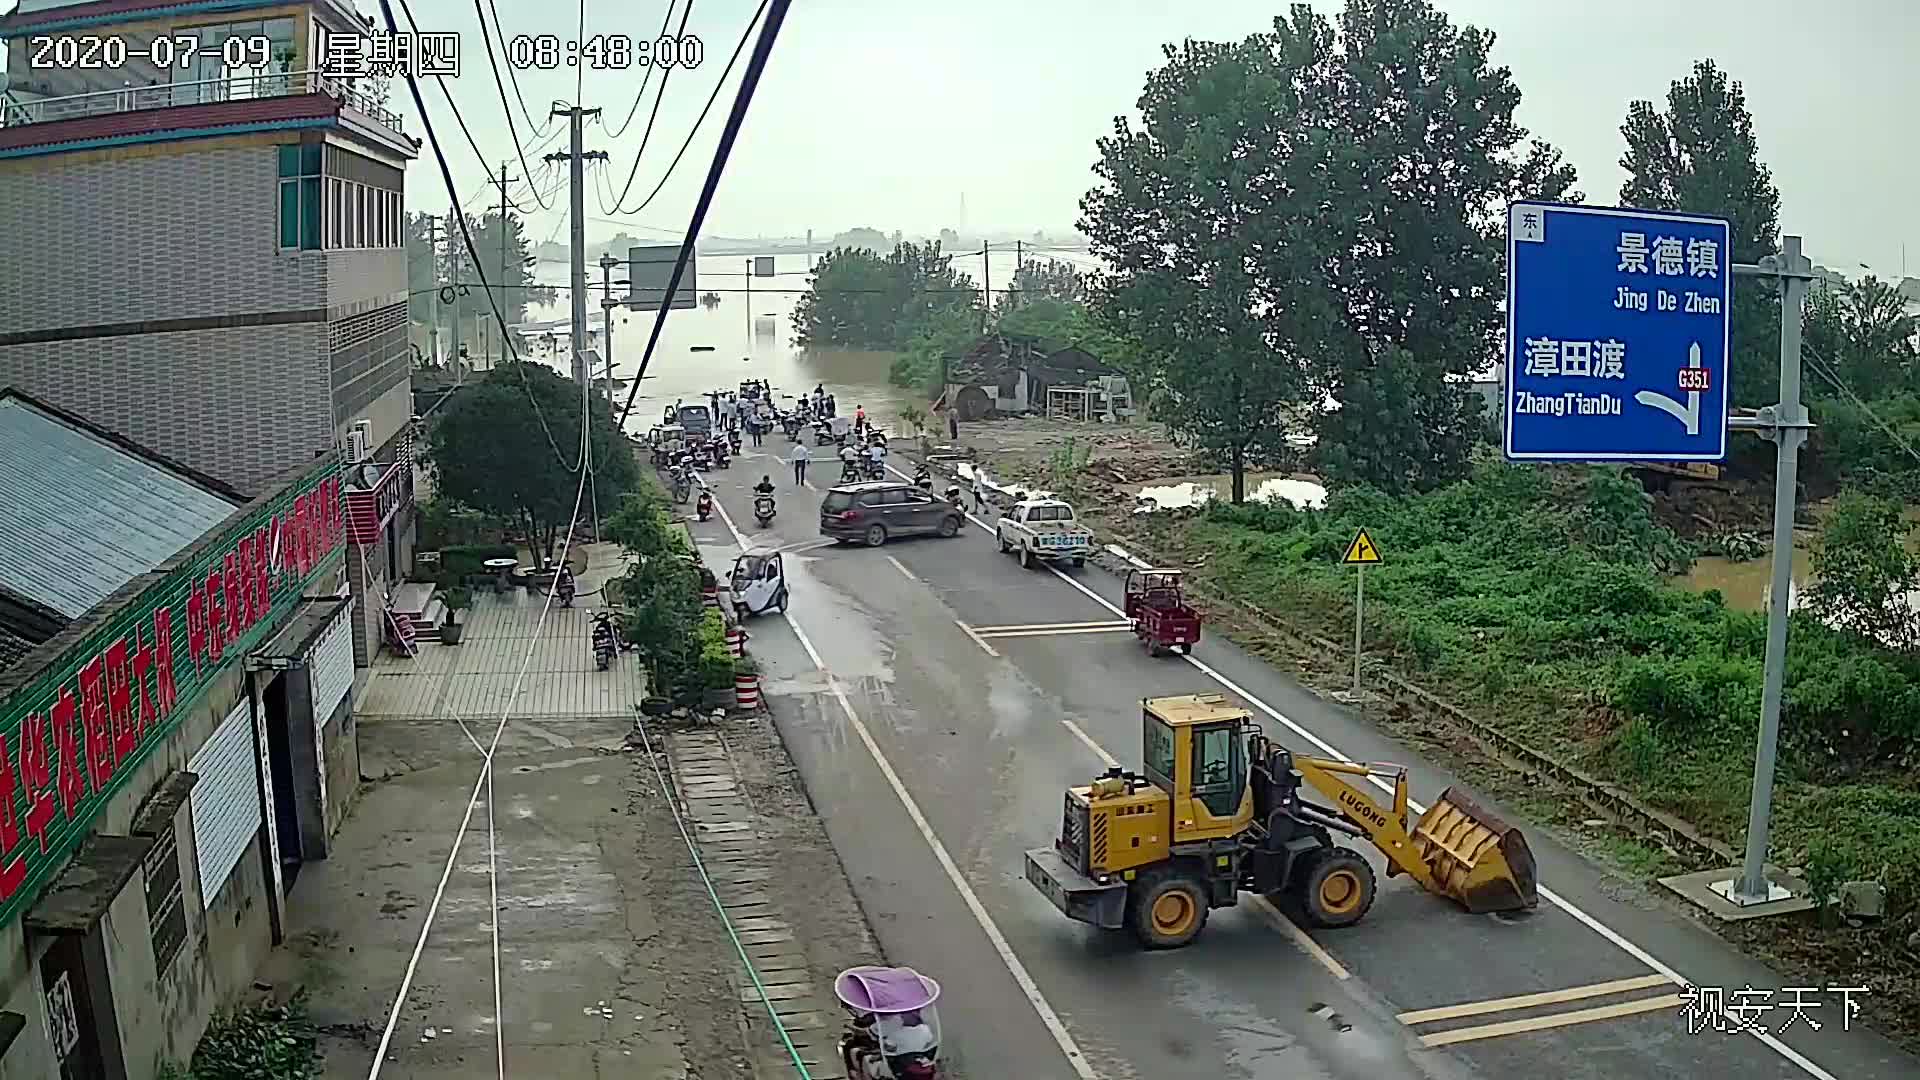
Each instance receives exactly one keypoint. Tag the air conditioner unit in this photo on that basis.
(359, 442)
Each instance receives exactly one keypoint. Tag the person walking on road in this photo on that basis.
(799, 459)
(979, 492)
(953, 426)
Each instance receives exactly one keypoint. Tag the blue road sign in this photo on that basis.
(1617, 334)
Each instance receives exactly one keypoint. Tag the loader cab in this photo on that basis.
(1195, 749)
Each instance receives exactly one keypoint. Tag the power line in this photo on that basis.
(711, 98)
(763, 48)
(538, 131)
(645, 77)
(487, 40)
(446, 175)
(647, 135)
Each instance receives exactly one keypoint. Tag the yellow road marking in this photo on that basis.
(1103, 624)
(1553, 1020)
(1258, 903)
(1528, 1001)
(977, 639)
(1054, 631)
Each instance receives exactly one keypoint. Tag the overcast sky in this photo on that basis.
(886, 113)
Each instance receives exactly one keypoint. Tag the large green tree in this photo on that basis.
(1700, 154)
(862, 299)
(1050, 279)
(1861, 332)
(507, 264)
(1427, 156)
(509, 445)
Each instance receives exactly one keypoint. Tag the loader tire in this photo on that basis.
(1335, 889)
(1167, 909)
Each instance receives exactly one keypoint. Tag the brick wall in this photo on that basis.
(242, 404)
(150, 236)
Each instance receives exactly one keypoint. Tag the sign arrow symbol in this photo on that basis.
(1688, 414)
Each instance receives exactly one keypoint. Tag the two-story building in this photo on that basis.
(205, 245)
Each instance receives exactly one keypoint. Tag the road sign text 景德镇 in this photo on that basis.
(1617, 334)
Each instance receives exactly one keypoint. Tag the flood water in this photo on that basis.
(1746, 585)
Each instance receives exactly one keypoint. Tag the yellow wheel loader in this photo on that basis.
(1219, 811)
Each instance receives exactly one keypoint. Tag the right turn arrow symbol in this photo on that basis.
(1688, 414)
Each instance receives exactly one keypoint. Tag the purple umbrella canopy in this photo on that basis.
(885, 990)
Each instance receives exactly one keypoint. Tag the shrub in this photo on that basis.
(272, 1042)
(459, 562)
(715, 661)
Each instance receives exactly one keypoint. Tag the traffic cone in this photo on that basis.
(746, 691)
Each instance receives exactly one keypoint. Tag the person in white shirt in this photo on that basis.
(799, 458)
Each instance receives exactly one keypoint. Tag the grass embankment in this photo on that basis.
(1536, 600)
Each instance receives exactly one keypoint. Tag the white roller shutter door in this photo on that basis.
(330, 666)
(226, 801)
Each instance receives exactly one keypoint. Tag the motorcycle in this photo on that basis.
(923, 479)
(822, 433)
(717, 454)
(704, 507)
(763, 509)
(605, 642)
(893, 1030)
(733, 439)
(850, 472)
(872, 469)
(682, 486)
(791, 425)
(563, 589)
(953, 499)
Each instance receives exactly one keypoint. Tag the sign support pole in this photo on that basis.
(1786, 425)
(1359, 605)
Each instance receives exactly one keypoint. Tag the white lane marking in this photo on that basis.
(1259, 903)
(1770, 1041)
(1028, 988)
(900, 566)
(977, 639)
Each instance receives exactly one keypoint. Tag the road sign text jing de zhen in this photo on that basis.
(1617, 322)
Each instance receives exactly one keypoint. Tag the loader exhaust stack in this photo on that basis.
(1475, 857)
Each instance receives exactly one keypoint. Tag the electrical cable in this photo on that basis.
(446, 176)
(538, 131)
(769, 31)
(645, 77)
(647, 135)
(487, 40)
(718, 84)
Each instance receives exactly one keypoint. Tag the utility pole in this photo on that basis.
(433, 295)
(607, 305)
(576, 160)
(506, 304)
(454, 220)
(986, 267)
(1785, 425)
(749, 299)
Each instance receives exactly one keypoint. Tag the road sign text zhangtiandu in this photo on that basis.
(1617, 334)
(72, 736)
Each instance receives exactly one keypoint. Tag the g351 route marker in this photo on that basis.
(1617, 334)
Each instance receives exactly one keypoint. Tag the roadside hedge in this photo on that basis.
(715, 663)
(458, 562)
(1537, 599)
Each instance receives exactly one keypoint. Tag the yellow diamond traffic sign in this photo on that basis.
(1361, 552)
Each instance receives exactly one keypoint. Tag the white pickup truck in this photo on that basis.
(1044, 529)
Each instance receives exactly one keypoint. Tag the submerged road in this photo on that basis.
(937, 699)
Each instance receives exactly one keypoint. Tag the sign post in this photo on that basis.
(1360, 554)
(1618, 328)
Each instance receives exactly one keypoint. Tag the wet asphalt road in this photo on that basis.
(983, 745)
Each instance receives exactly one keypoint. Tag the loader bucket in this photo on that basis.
(1476, 858)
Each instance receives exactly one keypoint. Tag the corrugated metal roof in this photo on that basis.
(80, 517)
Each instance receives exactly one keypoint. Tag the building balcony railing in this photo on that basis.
(20, 109)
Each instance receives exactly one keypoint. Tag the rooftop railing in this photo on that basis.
(17, 110)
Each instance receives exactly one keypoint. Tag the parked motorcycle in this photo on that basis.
(923, 479)
(563, 589)
(704, 507)
(763, 509)
(605, 641)
(682, 486)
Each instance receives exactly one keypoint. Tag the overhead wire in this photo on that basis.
(718, 84)
(485, 781)
(446, 175)
(505, 108)
(537, 130)
(647, 135)
(645, 77)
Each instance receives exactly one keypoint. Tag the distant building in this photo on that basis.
(206, 250)
(1013, 374)
(176, 736)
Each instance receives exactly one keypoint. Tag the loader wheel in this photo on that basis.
(1167, 910)
(1336, 889)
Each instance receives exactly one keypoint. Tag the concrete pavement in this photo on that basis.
(982, 730)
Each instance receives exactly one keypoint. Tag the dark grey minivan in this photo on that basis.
(878, 509)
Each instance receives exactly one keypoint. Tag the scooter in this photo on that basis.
(923, 479)
(872, 469)
(763, 509)
(605, 642)
(850, 472)
(893, 1030)
(953, 499)
(682, 486)
(733, 439)
(563, 589)
(704, 507)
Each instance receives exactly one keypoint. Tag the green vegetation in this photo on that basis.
(508, 269)
(1536, 599)
(660, 593)
(270, 1042)
(716, 660)
(507, 446)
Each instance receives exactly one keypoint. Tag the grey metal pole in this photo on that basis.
(1359, 605)
(577, 236)
(1789, 425)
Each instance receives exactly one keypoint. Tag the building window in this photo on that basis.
(300, 191)
(166, 905)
